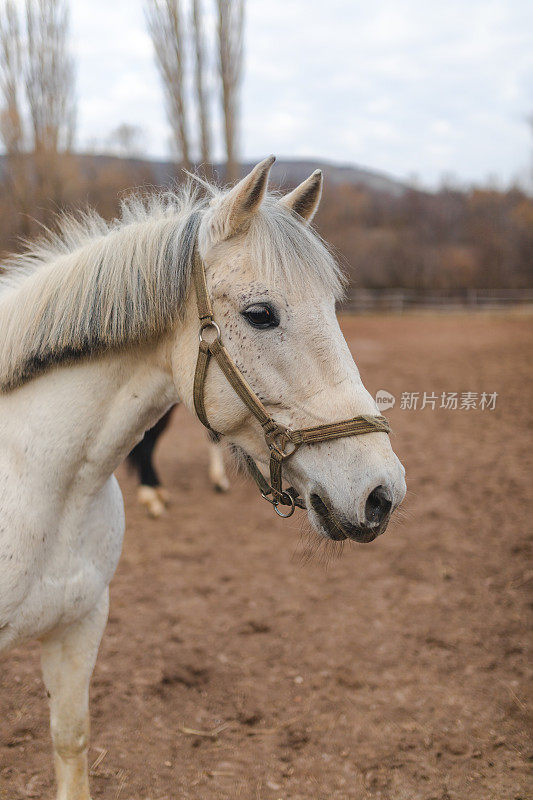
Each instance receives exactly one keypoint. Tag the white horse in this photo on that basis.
(99, 336)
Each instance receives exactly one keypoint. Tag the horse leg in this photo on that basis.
(142, 457)
(217, 470)
(150, 493)
(68, 657)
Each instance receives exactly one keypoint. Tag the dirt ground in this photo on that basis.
(396, 670)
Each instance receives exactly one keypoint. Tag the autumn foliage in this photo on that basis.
(450, 239)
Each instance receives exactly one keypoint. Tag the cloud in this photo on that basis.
(410, 87)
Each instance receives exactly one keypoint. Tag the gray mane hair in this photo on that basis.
(96, 286)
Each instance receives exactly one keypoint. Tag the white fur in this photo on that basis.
(65, 426)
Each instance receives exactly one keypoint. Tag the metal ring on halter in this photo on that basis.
(209, 323)
(290, 512)
(276, 503)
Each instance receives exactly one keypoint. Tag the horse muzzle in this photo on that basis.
(377, 513)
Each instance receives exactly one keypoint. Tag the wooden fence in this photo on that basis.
(400, 300)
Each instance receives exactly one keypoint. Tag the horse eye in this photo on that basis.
(261, 316)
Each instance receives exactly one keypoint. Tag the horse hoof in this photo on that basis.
(148, 497)
(156, 509)
(163, 495)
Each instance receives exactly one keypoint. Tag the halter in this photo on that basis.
(281, 441)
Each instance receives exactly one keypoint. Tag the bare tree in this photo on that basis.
(15, 174)
(230, 60)
(171, 42)
(164, 20)
(530, 176)
(199, 74)
(37, 107)
(127, 141)
(10, 70)
(49, 76)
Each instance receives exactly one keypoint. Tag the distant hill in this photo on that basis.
(284, 172)
(293, 172)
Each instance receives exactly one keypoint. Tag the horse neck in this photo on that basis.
(82, 419)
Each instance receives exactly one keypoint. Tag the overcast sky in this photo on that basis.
(408, 87)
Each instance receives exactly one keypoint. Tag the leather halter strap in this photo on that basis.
(281, 441)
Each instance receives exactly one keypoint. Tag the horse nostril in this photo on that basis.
(377, 506)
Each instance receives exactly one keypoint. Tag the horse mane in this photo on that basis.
(96, 285)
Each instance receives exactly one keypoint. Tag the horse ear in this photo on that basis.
(305, 198)
(241, 203)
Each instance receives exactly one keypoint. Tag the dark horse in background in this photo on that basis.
(151, 494)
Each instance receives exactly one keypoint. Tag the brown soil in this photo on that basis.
(397, 671)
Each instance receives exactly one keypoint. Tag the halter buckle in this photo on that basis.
(279, 439)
